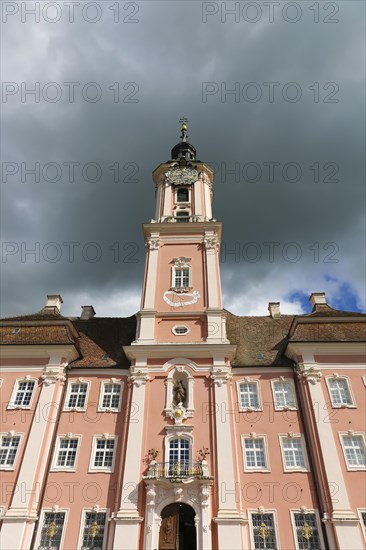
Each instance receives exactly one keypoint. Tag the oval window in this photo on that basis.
(179, 330)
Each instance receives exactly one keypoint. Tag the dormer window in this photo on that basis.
(182, 216)
(182, 194)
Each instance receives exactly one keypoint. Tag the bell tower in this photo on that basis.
(181, 299)
(180, 362)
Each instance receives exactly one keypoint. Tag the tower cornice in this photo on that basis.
(176, 228)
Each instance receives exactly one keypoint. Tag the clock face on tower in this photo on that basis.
(176, 299)
(182, 175)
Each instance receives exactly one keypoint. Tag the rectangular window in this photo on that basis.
(8, 450)
(363, 517)
(363, 522)
(284, 397)
(53, 524)
(255, 457)
(24, 393)
(67, 453)
(307, 532)
(94, 529)
(77, 396)
(248, 393)
(293, 453)
(339, 392)
(104, 454)
(264, 534)
(181, 278)
(111, 396)
(354, 450)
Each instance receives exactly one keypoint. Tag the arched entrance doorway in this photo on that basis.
(177, 530)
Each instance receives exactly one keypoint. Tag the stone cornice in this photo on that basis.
(176, 229)
(41, 351)
(329, 348)
(157, 351)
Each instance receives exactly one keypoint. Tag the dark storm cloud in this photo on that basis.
(280, 236)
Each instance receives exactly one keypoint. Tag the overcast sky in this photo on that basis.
(112, 79)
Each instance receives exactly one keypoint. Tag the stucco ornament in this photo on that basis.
(152, 243)
(178, 413)
(181, 300)
(182, 175)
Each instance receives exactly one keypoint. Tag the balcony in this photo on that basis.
(177, 471)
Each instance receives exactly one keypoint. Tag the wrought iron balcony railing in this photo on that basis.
(177, 470)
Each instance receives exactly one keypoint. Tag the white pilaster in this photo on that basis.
(198, 211)
(147, 314)
(167, 207)
(207, 196)
(229, 520)
(158, 202)
(212, 245)
(344, 520)
(128, 519)
(18, 523)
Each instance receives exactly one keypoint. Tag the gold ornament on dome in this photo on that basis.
(93, 530)
(306, 531)
(51, 530)
(263, 531)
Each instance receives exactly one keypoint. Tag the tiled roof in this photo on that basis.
(45, 314)
(323, 310)
(261, 341)
(101, 341)
(329, 332)
(35, 335)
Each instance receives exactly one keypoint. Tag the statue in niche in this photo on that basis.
(179, 392)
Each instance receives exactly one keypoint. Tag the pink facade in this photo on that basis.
(183, 426)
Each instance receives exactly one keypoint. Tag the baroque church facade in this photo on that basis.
(183, 427)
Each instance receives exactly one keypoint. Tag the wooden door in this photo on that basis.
(169, 528)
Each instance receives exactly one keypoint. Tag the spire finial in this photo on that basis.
(183, 128)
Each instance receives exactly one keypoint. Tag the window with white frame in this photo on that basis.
(22, 394)
(66, 452)
(362, 514)
(103, 453)
(293, 453)
(179, 457)
(284, 394)
(307, 531)
(179, 330)
(179, 450)
(9, 446)
(111, 396)
(264, 532)
(93, 530)
(354, 451)
(340, 392)
(77, 395)
(181, 277)
(51, 532)
(255, 453)
(248, 395)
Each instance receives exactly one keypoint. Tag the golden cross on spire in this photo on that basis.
(184, 128)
